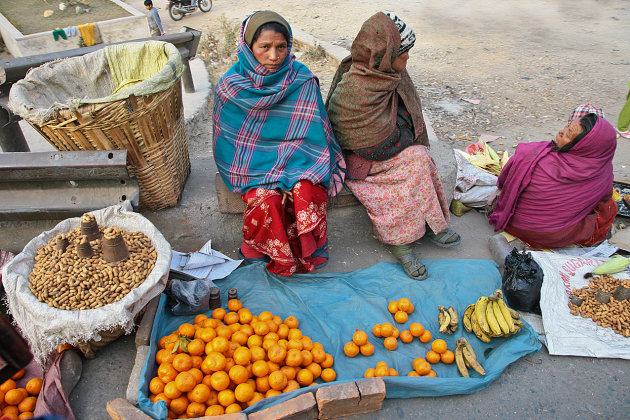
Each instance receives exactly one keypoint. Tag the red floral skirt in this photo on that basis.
(293, 235)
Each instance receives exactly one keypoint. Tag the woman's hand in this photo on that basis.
(286, 195)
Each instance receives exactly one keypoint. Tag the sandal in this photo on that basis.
(445, 239)
(410, 262)
(248, 261)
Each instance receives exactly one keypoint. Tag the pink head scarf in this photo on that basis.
(544, 190)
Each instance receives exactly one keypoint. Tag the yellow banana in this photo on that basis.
(480, 311)
(466, 317)
(459, 361)
(507, 317)
(499, 316)
(444, 319)
(469, 355)
(492, 320)
(477, 329)
(518, 323)
(454, 319)
(515, 315)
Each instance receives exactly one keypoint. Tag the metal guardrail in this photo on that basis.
(11, 136)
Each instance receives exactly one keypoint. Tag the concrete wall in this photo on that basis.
(114, 30)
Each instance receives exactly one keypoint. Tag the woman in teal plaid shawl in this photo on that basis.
(274, 144)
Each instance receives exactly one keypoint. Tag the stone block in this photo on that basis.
(302, 407)
(143, 333)
(337, 400)
(134, 379)
(121, 409)
(372, 392)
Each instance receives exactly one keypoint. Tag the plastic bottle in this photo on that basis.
(215, 298)
(499, 248)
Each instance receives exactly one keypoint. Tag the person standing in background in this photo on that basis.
(155, 24)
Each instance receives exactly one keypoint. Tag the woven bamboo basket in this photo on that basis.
(151, 128)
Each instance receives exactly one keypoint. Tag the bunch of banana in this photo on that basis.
(448, 319)
(465, 358)
(491, 317)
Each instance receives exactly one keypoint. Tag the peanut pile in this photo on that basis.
(615, 314)
(63, 280)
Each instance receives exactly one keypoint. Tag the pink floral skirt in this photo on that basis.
(402, 195)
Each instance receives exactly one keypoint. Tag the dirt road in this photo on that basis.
(527, 62)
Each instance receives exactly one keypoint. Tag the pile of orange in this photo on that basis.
(358, 344)
(439, 353)
(233, 359)
(19, 403)
(421, 368)
(380, 370)
(415, 330)
(401, 309)
(389, 333)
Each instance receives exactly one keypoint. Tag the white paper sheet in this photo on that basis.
(205, 263)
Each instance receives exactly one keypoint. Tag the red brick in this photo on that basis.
(121, 409)
(338, 400)
(372, 391)
(302, 407)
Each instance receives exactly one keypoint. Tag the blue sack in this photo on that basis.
(330, 307)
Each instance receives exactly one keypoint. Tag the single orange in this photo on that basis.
(215, 410)
(164, 356)
(291, 386)
(162, 343)
(260, 368)
(283, 331)
(351, 349)
(171, 391)
(277, 380)
(195, 410)
(231, 318)
(187, 330)
(404, 305)
(319, 355)
(392, 372)
(218, 314)
(247, 329)
(390, 343)
(220, 380)
(295, 333)
(274, 337)
(234, 305)
(210, 323)
(294, 358)
(328, 361)
(238, 374)
(242, 356)
(166, 372)
(26, 415)
(438, 346)
(272, 393)
(295, 344)
(273, 327)
(179, 405)
(421, 366)
(182, 362)
(267, 344)
(233, 408)
(367, 349)
(265, 316)
(224, 331)
(162, 397)
(425, 337)
(197, 361)
(401, 317)
(226, 397)
(244, 316)
(359, 338)
(392, 307)
(447, 357)
(307, 358)
(197, 374)
(13, 397)
(276, 353)
(214, 362)
(220, 344)
(416, 329)
(257, 397)
(387, 329)
(307, 343)
(413, 373)
(10, 412)
(369, 373)
(406, 337)
(328, 375)
(431, 374)
(8, 385)
(200, 393)
(200, 318)
(291, 322)
(254, 341)
(155, 386)
(258, 353)
(18, 375)
(381, 371)
(27, 404)
(34, 386)
(206, 334)
(304, 377)
(213, 398)
(261, 328)
(289, 372)
(432, 357)
(395, 333)
(244, 392)
(315, 369)
(235, 327)
(185, 381)
(273, 366)
(262, 384)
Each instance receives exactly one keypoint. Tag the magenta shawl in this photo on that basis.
(544, 190)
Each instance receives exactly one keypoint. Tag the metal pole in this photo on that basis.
(187, 79)
(11, 136)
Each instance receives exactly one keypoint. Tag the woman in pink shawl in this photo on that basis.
(559, 193)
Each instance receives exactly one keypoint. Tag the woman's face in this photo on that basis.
(568, 133)
(270, 49)
(399, 64)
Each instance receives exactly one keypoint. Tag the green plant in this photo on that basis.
(316, 53)
(231, 33)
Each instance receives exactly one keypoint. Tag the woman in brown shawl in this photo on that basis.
(377, 118)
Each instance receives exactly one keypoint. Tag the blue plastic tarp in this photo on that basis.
(330, 307)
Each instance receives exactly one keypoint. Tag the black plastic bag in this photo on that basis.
(187, 295)
(522, 280)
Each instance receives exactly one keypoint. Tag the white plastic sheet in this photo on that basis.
(45, 327)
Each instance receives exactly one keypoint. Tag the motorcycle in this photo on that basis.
(177, 9)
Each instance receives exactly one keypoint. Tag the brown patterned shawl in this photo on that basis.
(363, 98)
